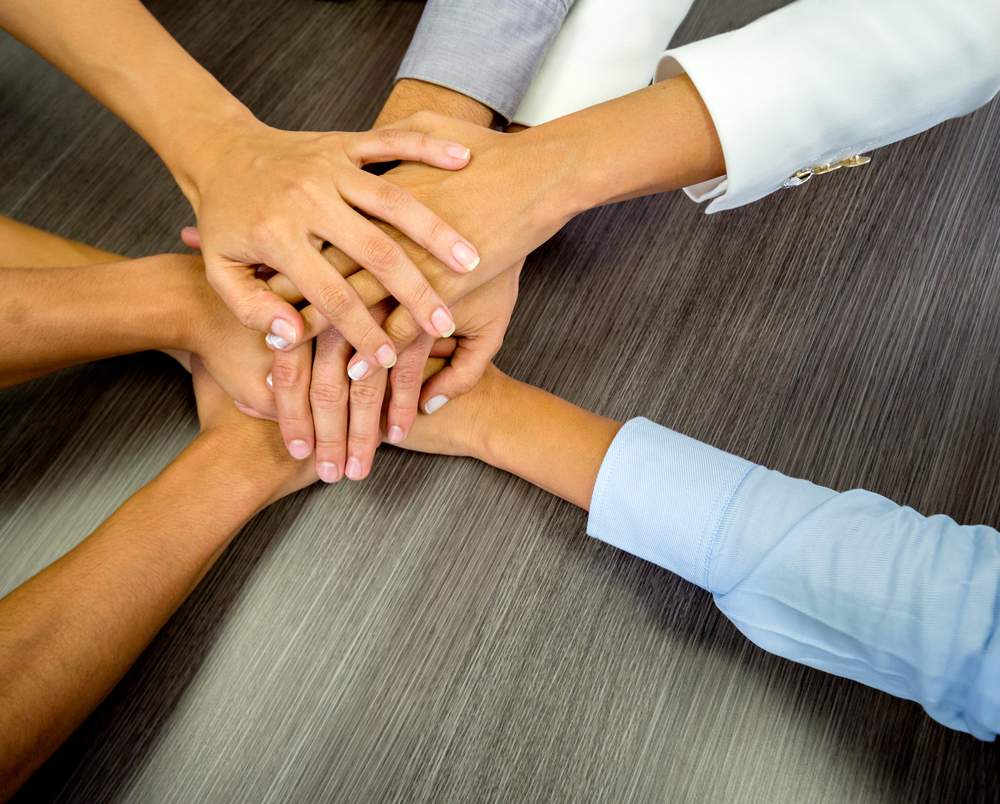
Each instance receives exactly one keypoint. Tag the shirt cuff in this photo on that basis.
(487, 50)
(662, 496)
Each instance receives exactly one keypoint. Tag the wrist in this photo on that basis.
(198, 140)
(410, 96)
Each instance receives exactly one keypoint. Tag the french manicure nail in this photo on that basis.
(328, 472)
(443, 322)
(353, 468)
(465, 255)
(457, 151)
(386, 356)
(395, 434)
(282, 331)
(270, 382)
(299, 449)
(435, 403)
(275, 341)
(358, 370)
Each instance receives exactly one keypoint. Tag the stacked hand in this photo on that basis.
(328, 402)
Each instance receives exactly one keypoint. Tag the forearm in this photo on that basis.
(656, 139)
(119, 53)
(51, 318)
(69, 634)
(542, 439)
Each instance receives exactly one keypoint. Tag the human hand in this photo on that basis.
(264, 196)
(220, 420)
(319, 406)
(517, 195)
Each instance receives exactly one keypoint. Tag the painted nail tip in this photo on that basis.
(435, 403)
(358, 370)
(448, 332)
(472, 266)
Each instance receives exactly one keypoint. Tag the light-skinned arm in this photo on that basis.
(58, 661)
(849, 583)
(262, 196)
(519, 189)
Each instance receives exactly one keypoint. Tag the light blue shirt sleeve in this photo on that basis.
(849, 583)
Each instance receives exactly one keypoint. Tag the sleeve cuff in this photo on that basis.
(816, 82)
(488, 51)
(662, 496)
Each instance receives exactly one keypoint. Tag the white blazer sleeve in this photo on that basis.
(821, 80)
(805, 86)
(605, 49)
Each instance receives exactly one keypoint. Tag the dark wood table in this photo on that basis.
(445, 632)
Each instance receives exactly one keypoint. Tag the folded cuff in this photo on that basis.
(662, 496)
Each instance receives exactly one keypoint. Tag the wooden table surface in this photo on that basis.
(445, 632)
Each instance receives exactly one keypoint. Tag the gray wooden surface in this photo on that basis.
(442, 631)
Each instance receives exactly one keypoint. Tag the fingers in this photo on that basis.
(471, 358)
(328, 396)
(337, 302)
(191, 238)
(388, 144)
(373, 249)
(364, 434)
(254, 303)
(290, 380)
(405, 379)
(384, 200)
(403, 328)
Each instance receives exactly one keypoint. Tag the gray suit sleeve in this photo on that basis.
(486, 49)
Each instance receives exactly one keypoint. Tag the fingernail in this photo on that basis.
(275, 341)
(299, 449)
(386, 356)
(282, 331)
(189, 229)
(435, 403)
(328, 472)
(443, 322)
(270, 382)
(457, 151)
(353, 468)
(358, 370)
(465, 255)
(395, 434)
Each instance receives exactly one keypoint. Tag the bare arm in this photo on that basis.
(523, 430)
(59, 660)
(262, 196)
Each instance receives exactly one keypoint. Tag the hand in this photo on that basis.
(220, 418)
(236, 357)
(271, 197)
(515, 193)
(317, 391)
(462, 428)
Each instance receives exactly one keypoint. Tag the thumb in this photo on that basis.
(254, 303)
(471, 359)
(191, 237)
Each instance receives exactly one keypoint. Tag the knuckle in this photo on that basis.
(405, 378)
(463, 381)
(328, 394)
(365, 395)
(285, 374)
(335, 299)
(389, 137)
(401, 327)
(438, 230)
(390, 199)
(379, 252)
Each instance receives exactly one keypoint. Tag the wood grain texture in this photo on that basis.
(444, 632)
